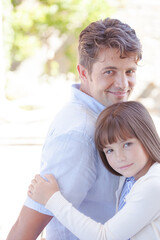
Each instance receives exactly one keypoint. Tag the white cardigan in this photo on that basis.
(139, 219)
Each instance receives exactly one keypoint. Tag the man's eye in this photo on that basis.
(109, 72)
(131, 71)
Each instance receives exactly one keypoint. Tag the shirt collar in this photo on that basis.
(93, 104)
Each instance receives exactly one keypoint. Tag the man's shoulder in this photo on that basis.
(75, 117)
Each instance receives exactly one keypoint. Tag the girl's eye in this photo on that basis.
(109, 151)
(127, 144)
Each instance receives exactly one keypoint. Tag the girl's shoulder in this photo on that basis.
(154, 170)
(152, 177)
(147, 186)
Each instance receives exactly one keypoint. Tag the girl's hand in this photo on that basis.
(41, 190)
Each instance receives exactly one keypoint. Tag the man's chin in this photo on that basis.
(108, 103)
(119, 100)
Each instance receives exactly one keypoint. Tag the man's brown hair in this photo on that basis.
(126, 120)
(107, 33)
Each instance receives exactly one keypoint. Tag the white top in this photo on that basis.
(139, 219)
(70, 154)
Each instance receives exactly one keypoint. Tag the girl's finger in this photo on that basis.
(29, 193)
(50, 178)
(38, 178)
(33, 182)
(31, 188)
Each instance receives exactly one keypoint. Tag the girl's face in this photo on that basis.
(129, 158)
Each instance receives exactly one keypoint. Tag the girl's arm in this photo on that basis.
(135, 215)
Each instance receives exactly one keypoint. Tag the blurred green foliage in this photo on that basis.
(30, 24)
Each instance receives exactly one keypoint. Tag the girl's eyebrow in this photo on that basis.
(107, 146)
(120, 141)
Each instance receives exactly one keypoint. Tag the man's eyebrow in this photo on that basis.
(133, 68)
(115, 68)
(109, 67)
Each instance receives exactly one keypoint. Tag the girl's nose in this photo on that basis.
(121, 156)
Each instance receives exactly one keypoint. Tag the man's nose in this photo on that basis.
(122, 81)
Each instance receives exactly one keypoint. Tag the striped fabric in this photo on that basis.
(126, 189)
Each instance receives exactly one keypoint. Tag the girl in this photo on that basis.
(129, 145)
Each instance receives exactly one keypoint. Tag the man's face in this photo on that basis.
(112, 78)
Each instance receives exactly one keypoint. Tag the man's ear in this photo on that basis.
(83, 73)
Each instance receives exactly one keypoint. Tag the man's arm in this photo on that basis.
(29, 225)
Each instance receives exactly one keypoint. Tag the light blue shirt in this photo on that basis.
(69, 154)
(128, 184)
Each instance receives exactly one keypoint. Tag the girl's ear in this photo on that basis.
(83, 73)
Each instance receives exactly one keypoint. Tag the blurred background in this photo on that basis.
(38, 57)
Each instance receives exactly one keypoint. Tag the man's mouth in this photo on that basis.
(119, 93)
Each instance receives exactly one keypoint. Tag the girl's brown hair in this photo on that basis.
(126, 120)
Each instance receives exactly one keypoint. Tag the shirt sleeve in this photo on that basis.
(71, 159)
(136, 214)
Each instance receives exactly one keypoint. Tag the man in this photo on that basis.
(108, 54)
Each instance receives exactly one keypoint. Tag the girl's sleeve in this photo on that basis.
(141, 208)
